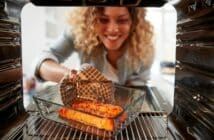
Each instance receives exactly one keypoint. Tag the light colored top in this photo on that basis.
(64, 47)
(110, 72)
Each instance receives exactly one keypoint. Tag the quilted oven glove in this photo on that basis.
(87, 84)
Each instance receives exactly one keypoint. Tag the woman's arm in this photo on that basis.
(52, 71)
(47, 65)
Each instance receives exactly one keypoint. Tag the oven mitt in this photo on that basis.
(89, 84)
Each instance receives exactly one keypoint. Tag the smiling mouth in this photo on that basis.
(112, 38)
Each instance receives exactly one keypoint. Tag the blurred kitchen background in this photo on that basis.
(42, 25)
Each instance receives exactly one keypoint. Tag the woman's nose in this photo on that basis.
(113, 27)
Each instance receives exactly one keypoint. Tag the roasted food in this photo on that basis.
(98, 109)
(87, 119)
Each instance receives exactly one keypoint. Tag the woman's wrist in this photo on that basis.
(65, 70)
(52, 71)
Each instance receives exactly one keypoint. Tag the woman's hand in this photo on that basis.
(53, 71)
(73, 75)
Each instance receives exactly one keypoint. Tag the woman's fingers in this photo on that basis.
(73, 75)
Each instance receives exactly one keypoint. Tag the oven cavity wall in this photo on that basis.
(194, 79)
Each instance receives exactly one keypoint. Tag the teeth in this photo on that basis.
(112, 37)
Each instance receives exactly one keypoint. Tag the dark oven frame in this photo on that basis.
(192, 115)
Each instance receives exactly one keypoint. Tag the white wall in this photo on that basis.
(164, 21)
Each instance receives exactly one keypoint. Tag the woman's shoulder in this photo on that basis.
(68, 35)
(65, 40)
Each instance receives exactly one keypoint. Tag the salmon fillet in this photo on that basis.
(87, 119)
(98, 109)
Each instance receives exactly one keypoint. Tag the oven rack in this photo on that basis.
(147, 126)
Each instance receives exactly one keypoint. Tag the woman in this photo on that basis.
(115, 40)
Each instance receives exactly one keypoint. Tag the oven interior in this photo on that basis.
(190, 117)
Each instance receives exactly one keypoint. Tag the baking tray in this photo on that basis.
(48, 102)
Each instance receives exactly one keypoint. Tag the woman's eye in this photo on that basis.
(103, 20)
(122, 21)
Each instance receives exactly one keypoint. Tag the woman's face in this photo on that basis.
(113, 27)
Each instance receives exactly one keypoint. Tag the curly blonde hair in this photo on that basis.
(83, 19)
